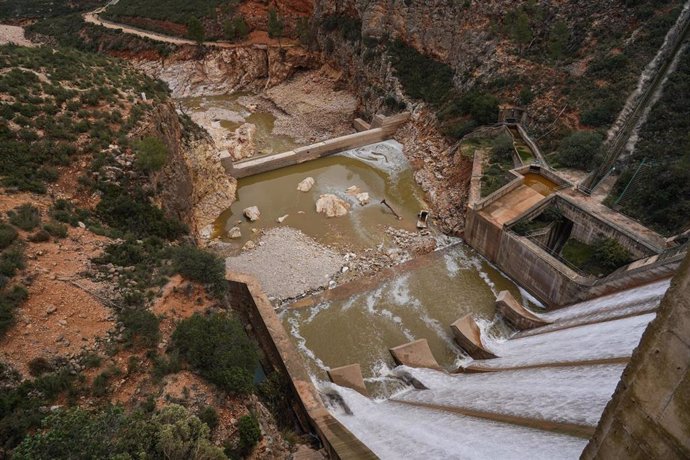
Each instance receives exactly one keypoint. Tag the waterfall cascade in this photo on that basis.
(542, 397)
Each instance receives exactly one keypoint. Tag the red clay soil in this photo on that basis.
(62, 313)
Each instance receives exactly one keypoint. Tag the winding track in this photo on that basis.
(93, 17)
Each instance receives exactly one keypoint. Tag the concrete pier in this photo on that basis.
(468, 336)
(515, 314)
(415, 354)
(349, 376)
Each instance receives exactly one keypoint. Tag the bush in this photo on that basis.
(151, 154)
(195, 30)
(209, 416)
(580, 150)
(198, 265)
(502, 149)
(39, 366)
(250, 432)
(422, 77)
(40, 236)
(26, 217)
(10, 299)
(11, 260)
(164, 365)
(7, 235)
(141, 328)
(236, 28)
(218, 348)
(610, 254)
(56, 229)
(136, 215)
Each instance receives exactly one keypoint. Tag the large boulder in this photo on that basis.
(252, 213)
(235, 233)
(306, 184)
(332, 206)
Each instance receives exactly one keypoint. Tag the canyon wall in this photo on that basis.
(196, 71)
(192, 185)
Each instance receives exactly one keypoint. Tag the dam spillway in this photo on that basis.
(541, 398)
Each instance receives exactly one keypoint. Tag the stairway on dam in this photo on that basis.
(540, 397)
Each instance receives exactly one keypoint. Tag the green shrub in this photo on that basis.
(235, 28)
(56, 229)
(502, 149)
(195, 30)
(218, 348)
(26, 217)
(209, 416)
(422, 77)
(10, 299)
(7, 235)
(610, 254)
(164, 365)
(39, 366)
(136, 215)
(141, 328)
(204, 267)
(11, 260)
(41, 236)
(580, 150)
(276, 24)
(250, 432)
(91, 360)
(151, 154)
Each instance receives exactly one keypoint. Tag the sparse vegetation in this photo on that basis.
(250, 433)
(151, 154)
(496, 173)
(25, 217)
(600, 258)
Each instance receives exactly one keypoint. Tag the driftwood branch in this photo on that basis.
(383, 202)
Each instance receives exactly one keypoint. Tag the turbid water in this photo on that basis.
(358, 323)
(540, 184)
(379, 170)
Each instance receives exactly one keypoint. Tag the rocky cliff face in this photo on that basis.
(193, 71)
(192, 186)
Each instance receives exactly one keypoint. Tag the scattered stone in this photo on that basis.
(363, 198)
(81, 224)
(235, 233)
(352, 190)
(252, 213)
(332, 206)
(249, 245)
(50, 309)
(62, 322)
(281, 219)
(306, 184)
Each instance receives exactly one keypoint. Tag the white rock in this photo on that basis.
(363, 198)
(252, 213)
(306, 184)
(352, 190)
(281, 219)
(235, 233)
(332, 206)
(81, 224)
(249, 245)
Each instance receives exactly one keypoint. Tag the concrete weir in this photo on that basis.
(415, 354)
(515, 314)
(381, 129)
(310, 410)
(349, 376)
(468, 336)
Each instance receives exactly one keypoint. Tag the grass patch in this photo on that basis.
(602, 257)
(25, 217)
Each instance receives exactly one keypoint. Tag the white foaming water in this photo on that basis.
(650, 71)
(386, 156)
(618, 304)
(563, 395)
(302, 344)
(397, 431)
(612, 339)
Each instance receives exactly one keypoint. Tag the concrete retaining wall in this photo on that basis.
(274, 340)
(587, 228)
(649, 414)
(382, 128)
